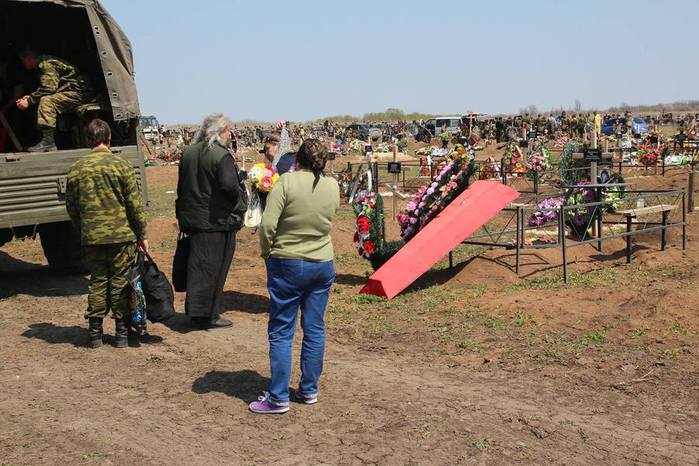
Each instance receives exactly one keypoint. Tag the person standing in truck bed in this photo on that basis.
(104, 203)
(62, 88)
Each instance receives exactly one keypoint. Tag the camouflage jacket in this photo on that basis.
(104, 201)
(56, 75)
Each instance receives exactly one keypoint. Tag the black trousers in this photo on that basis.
(210, 258)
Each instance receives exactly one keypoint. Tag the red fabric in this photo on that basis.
(467, 213)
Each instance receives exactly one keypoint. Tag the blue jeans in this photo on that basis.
(294, 284)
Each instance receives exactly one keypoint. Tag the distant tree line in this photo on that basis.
(391, 114)
(396, 114)
(679, 106)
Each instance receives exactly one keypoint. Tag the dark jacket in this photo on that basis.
(209, 193)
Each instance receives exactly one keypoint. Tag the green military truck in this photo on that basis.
(33, 185)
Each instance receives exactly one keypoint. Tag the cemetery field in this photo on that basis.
(470, 365)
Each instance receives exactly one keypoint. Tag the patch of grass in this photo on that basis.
(530, 339)
(671, 353)
(483, 444)
(598, 337)
(350, 258)
(425, 432)
(552, 353)
(522, 318)
(548, 282)
(473, 291)
(588, 280)
(678, 329)
(443, 334)
(379, 326)
(639, 332)
(366, 299)
(469, 345)
(494, 323)
(595, 337)
(161, 203)
(18, 445)
(339, 311)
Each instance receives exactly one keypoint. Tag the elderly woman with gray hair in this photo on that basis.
(210, 208)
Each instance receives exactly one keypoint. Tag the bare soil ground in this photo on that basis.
(470, 366)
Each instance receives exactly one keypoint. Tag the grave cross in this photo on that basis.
(593, 155)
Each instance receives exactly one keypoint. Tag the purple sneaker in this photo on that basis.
(264, 406)
(307, 399)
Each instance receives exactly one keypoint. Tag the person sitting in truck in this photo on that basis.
(62, 88)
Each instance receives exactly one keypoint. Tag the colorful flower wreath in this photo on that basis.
(648, 156)
(514, 161)
(451, 180)
(580, 219)
(369, 239)
(547, 213)
(368, 231)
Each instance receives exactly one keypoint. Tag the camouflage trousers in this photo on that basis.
(50, 106)
(109, 288)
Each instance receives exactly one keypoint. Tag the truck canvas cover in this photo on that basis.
(115, 55)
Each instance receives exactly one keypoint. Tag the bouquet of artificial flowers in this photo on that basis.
(263, 177)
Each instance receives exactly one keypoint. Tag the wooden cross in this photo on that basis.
(593, 163)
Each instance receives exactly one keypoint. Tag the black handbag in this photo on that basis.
(160, 299)
(179, 264)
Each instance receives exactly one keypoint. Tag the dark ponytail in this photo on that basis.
(313, 156)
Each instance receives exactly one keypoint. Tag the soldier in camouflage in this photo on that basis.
(62, 88)
(104, 203)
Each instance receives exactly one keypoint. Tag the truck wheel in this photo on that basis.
(61, 247)
(5, 237)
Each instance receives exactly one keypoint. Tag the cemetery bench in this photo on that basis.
(631, 214)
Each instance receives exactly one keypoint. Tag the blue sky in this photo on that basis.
(306, 59)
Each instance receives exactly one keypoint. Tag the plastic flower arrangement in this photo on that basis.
(560, 142)
(548, 212)
(451, 179)
(345, 182)
(541, 159)
(580, 219)
(355, 145)
(458, 151)
(490, 169)
(648, 156)
(383, 148)
(369, 238)
(263, 177)
(367, 231)
(538, 162)
(514, 160)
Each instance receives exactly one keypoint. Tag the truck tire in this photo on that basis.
(5, 237)
(61, 247)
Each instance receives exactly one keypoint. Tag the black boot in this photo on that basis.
(204, 323)
(47, 143)
(121, 338)
(95, 329)
(219, 322)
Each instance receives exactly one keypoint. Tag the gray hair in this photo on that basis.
(212, 127)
